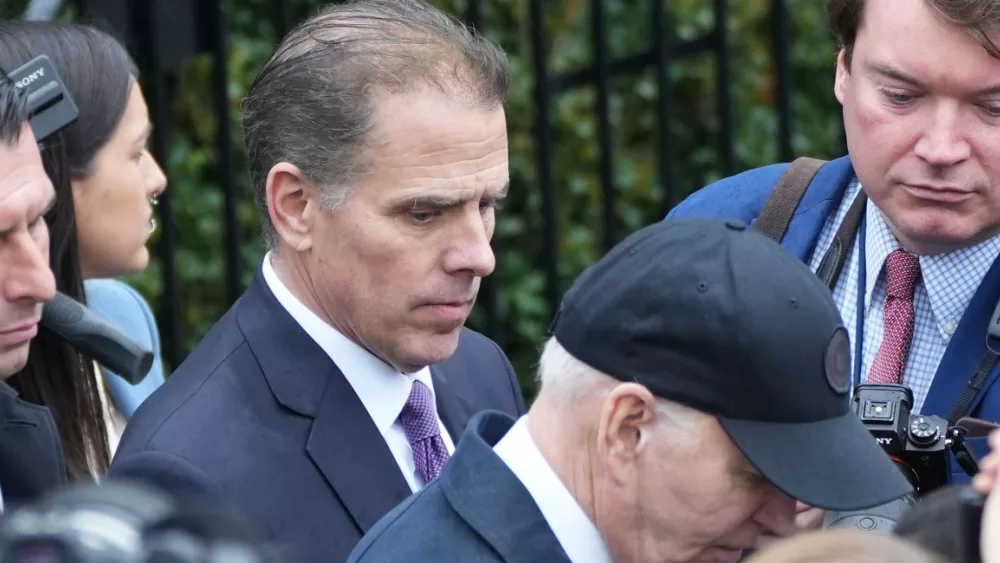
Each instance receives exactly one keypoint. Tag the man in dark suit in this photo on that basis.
(31, 459)
(696, 383)
(337, 384)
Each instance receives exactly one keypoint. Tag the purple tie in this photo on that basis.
(419, 420)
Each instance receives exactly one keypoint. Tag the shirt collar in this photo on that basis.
(950, 280)
(382, 389)
(571, 526)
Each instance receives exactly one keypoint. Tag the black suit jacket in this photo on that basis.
(260, 415)
(477, 510)
(31, 456)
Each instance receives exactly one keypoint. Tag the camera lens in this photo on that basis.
(909, 473)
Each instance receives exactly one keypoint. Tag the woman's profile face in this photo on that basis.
(114, 210)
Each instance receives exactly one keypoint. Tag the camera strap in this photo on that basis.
(777, 215)
(982, 371)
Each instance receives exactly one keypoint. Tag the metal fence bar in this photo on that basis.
(664, 148)
(284, 18)
(474, 15)
(225, 167)
(783, 78)
(599, 48)
(724, 98)
(156, 88)
(543, 152)
(635, 63)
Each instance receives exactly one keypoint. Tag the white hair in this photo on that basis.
(566, 380)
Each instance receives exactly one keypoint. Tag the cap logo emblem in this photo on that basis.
(837, 363)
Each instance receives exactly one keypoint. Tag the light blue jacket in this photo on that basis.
(125, 307)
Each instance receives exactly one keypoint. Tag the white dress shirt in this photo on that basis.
(574, 530)
(943, 293)
(382, 389)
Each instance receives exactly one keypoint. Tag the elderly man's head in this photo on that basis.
(26, 281)
(664, 481)
(378, 152)
(697, 381)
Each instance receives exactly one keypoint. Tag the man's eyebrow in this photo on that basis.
(440, 201)
(502, 193)
(892, 73)
(887, 71)
(45, 210)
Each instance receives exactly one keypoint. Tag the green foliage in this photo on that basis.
(643, 197)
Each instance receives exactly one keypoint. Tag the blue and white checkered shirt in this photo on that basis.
(946, 287)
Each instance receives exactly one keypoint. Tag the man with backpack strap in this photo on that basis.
(906, 228)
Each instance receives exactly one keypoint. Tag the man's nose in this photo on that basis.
(27, 275)
(470, 249)
(942, 143)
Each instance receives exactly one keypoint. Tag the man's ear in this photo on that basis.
(291, 203)
(627, 420)
(841, 76)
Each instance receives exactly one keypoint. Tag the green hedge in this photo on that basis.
(817, 131)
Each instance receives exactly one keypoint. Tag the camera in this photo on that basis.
(125, 522)
(918, 444)
(921, 447)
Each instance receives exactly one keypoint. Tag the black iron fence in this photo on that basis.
(161, 32)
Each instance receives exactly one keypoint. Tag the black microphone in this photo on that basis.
(96, 337)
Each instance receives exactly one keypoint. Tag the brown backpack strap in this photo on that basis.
(780, 207)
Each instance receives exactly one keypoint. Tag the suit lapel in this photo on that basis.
(353, 456)
(489, 497)
(343, 442)
(966, 349)
(821, 199)
(454, 409)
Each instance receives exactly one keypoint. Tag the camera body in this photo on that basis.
(918, 444)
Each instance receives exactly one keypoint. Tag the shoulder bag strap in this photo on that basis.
(780, 207)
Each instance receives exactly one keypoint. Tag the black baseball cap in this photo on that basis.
(714, 315)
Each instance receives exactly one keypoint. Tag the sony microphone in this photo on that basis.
(97, 338)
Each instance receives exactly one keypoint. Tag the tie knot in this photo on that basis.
(418, 417)
(902, 273)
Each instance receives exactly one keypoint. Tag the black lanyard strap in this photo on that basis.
(982, 371)
(833, 261)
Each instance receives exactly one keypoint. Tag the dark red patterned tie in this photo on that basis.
(902, 273)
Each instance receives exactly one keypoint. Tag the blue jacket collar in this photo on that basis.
(490, 498)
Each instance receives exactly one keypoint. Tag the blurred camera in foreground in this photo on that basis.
(123, 522)
(921, 446)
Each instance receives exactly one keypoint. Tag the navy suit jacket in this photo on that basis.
(31, 456)
(476, 510)
(260, 416)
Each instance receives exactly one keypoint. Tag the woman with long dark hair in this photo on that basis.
(106, 183)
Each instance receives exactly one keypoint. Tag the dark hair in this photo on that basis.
(13, 111)
(97, 72)
(978, 17)
(312, 103)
